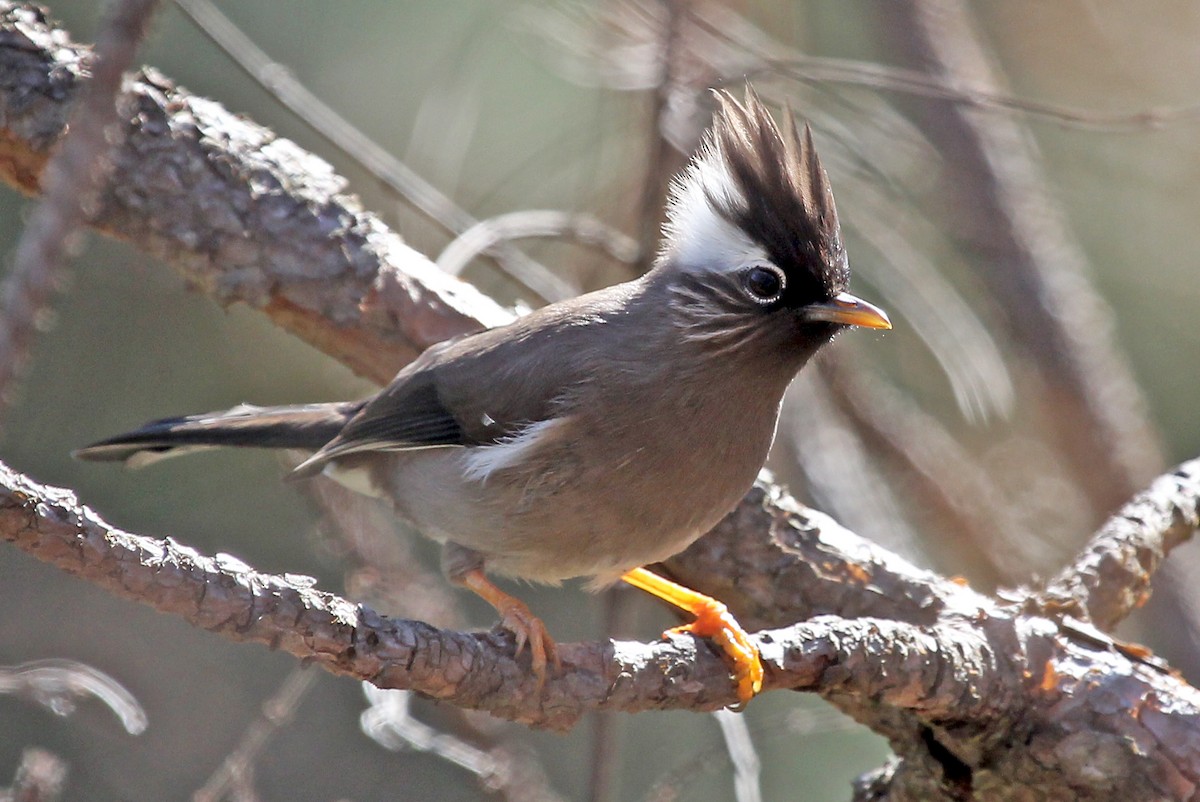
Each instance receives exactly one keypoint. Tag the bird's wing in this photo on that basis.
(408, 414)
(481, 388)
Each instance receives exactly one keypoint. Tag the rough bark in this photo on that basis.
(981, 698)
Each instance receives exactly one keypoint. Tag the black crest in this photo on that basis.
(786, 203)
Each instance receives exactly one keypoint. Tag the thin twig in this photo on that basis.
(659, 164)
(742, 754)
(273, 715)
(617, 618)
(276, 79)
(583, 228)
(389, 722)
(1112, 575)
(955, 90)
(57, 684)
(70, 184)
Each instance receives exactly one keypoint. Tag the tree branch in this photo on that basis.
(975, 696)
(225, 596)
(72, 179)
(959, 691)
(242, 213)
(1111, 576)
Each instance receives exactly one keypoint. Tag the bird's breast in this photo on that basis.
(591, 495)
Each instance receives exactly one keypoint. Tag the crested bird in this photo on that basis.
(597, 435)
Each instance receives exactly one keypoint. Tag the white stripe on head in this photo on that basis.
(697, 236)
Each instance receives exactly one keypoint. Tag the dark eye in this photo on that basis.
(765, 284)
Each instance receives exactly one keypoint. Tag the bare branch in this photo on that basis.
(58, 684)
(273, 715)
(582, 228)
(975, 685)
(397, 176)
(240, 212)
(69, 186)
(1112, 576)
(228, 597)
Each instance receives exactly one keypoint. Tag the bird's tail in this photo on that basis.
(304, 427)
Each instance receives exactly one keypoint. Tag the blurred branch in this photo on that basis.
(387, 573)
(604, 781)
(397, 176)
(662, 160)
(746, 765)
(582, 228)
(237, 770)
(959, 90)
(385, 570)
(840, 472)
(1042, 282)
(940, 476)
(57, 684)
(975, 696)
(390, 723)
(241, 213)
(41, 777)
(932, 308)
(69, 186)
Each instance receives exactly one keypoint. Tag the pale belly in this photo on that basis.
(569, 520)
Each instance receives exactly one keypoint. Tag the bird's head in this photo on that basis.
(752, 251)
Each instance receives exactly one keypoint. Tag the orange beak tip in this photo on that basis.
(848, 310)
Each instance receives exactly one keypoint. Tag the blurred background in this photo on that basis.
(1019, 187)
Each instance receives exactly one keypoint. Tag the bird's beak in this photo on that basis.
(846, 310)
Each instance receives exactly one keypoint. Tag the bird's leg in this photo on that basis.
(713, 620)
(517, 618)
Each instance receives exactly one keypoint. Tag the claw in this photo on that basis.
(714, 621)
(517, 618)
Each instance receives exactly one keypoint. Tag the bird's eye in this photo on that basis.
(765, 284)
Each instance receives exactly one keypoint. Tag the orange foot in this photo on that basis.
(517, 618)
(713, 620)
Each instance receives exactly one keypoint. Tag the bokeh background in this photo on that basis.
(508, 106)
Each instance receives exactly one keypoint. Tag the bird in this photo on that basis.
(598, 435)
